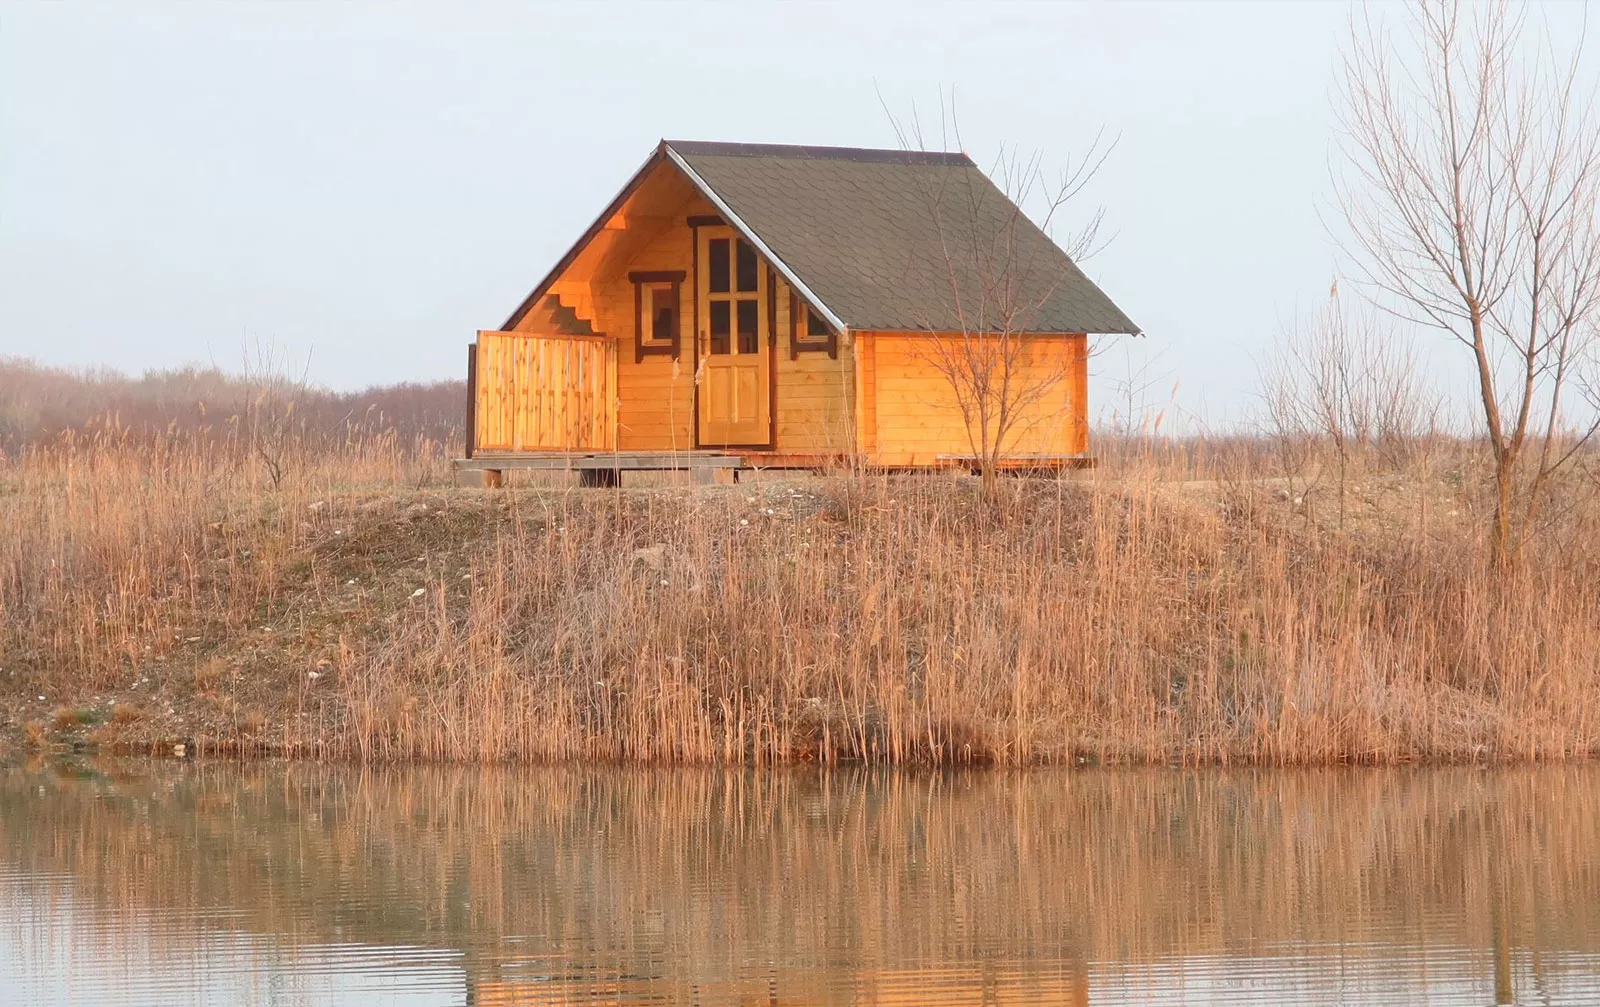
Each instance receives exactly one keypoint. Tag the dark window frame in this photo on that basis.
(800, 338)
(644, 345)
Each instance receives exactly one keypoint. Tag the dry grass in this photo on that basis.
(360, 609)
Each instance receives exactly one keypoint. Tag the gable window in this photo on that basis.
(810, 333)
(657, 310)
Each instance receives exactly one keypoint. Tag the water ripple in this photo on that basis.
(298, 885)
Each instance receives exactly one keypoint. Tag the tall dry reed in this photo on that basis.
(1134, 615)
(723, 872)
(904, 621)
(113, 539)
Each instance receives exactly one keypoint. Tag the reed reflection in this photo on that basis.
(569, 886)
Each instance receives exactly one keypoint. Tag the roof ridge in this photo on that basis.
(819, 153)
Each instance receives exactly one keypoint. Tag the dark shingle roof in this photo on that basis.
(902, 240)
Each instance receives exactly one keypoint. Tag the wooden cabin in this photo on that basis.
(753, 305)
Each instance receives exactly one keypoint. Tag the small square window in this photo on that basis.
(816, 328)
(810, 331)
(658, 318)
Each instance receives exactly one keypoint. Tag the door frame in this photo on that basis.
(695, 222)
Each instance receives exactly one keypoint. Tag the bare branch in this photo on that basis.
(1470, 205)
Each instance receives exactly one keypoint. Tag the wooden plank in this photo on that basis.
(792, 459)
(492, 416)
(470, 432)
(484, 410)
(608, 412)
(488, 381)
(655, 442)
(588, 401)
(639, 421)
(520, 363)
(816, 396)
(620, 461)
(540, 387)
(819, 418)
(833, 383)
(660, 411)
(810, 402)
(1079, 405)
(916, 408)
(869, 393)
(639, 378)
(560, 430)
(857, 374)
(540, 392)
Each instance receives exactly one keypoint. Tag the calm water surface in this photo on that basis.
(165, 883)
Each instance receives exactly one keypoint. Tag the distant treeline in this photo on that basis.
(39, 403)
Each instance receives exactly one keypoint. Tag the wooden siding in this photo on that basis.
(815, 393)
(656, 394)
(909, 414)
(879, 396)
(542, 392)
(655, 409)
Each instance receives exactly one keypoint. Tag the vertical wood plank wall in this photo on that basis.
(864, 346)
(910, 416)
(542, 392)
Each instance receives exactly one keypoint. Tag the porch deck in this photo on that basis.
(605, 468)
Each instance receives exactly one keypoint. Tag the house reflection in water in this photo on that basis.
(943, 987)
(550, 886)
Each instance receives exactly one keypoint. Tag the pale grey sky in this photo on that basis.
(370, 183)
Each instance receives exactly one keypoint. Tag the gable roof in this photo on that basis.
(886, 239)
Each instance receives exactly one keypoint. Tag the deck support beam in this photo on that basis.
(601, 469)
(706, 468)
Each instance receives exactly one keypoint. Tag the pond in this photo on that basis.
(285, 884)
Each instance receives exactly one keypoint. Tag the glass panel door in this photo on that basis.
(735, 368)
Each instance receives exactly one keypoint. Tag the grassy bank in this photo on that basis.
(165, 591)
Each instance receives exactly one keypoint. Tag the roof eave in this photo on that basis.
(1078, 331)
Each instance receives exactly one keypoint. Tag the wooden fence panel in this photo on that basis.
(496, 358)
(540, 392)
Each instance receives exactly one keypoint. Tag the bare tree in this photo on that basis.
(1471, 209)
(1350, 384)
(272, 392)
(1133, 418)
(994, 283)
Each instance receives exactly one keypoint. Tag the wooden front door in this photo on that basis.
(734, 372)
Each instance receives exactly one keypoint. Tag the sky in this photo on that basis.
(362, 186)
